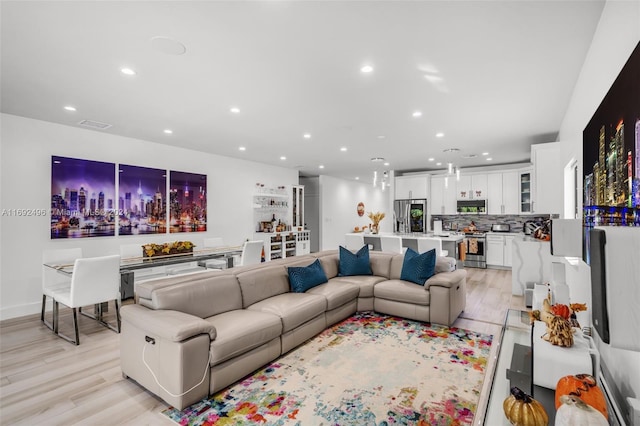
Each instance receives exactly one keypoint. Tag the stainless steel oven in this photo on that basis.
(475, 250)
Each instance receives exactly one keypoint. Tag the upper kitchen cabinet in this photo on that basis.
(548, 178)
(443, 195)
(411, 187)
(502, 193)
(472, 187)
(525, 190)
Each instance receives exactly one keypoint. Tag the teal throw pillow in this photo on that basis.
(306, 277)
(418, 268)
(354, 263)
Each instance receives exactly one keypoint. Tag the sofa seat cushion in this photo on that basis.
(402, 291)
(364, 282)
(337, 294)
(240, 331)
(293, 308)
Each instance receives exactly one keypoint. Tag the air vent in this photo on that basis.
(96, 125)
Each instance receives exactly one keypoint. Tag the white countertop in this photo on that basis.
(415, 236)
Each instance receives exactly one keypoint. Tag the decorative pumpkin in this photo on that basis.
(574, 412)
(522, 410)
(584, 387)
(561, 310)
(559, 332)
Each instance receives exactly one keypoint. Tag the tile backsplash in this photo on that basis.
(483, 222)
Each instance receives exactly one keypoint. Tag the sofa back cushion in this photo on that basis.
(302, 278)
(354, 263)
(381, 263)
(200, 297)
(267, 281)
(418, 268)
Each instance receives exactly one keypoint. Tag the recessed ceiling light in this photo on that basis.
(489, 159)
(168, 131)
(283, 158)
(307, 136)
(381, 136)
(234, 110)
(242, 148)
(485, 153)
(431, 159)
(357, 177)
(70, 108)
(386, 164)
(127, 71)
(438, 164)
(417, 114)
(321, 166)
(439, 135)
(343, 149)
(366, 69)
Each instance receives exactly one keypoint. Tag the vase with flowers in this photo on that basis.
(375, 219)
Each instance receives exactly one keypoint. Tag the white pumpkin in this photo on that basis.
(574, 412)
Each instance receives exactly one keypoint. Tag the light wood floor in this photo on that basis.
(46, 381)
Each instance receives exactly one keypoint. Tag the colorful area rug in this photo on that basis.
(367, 370)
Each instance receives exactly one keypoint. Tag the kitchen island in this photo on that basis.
(450, 243)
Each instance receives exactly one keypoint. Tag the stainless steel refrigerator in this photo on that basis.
(410, 216)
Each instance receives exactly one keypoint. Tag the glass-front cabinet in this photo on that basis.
(526, 192)
(297, 207)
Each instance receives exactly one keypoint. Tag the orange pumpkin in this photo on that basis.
(561, 310)
(585, 387)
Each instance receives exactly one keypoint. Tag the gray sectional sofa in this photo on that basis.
(190, 336)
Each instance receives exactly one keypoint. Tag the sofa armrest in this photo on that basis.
(446, 279)
(173, 326)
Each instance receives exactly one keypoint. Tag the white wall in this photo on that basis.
(26, 150)
(617, 35)
(338, 209)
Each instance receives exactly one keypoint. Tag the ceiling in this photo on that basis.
(493, 76)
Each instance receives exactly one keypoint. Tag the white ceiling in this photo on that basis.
(494, 76)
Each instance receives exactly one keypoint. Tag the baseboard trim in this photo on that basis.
(10, 312)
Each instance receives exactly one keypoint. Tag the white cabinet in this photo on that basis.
(508, 250)
(472, 187)
(297, 207)
(495, 197)
(510, 192)
(411, 187)
(279, 245)
(443, 196)
(502, 193)
(499, 249)
(525, 191)
(495, 250)
(548, 178)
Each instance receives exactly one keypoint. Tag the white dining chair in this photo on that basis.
(214, 263)
(53, 280)
(426, 244)
(392, 244)
(251, 253)
(95, 280)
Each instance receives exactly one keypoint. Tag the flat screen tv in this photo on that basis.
(611, 156)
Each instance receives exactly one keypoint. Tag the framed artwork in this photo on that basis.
(611, 156)
(187, 202)
(82, 198)
(142, 200)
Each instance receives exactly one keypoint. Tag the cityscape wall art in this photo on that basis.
(611, 155)
(82, 198)
(86, 203)
(187, 202)
(142, 200)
